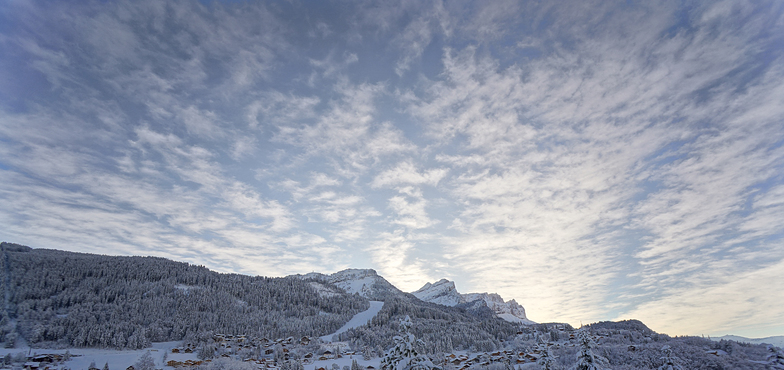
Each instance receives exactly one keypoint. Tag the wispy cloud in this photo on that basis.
(591, 161)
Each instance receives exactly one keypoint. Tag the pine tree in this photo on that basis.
(355, 365)
(670, 361)
(145, 362)
(546, 357)
(106, 366)
(586, 359)
(404, 354)
(775, 357)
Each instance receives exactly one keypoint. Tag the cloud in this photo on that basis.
(591, 161)
(406, 173)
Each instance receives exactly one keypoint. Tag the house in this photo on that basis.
(130, 368)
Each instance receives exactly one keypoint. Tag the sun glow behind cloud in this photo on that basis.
(593, 161)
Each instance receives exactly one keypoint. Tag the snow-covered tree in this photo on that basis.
(670, 361)
(775, 357)
(145, 362)
(355, 365)
(546, 357)
(586, 358)
(404, 355)
(106, 366)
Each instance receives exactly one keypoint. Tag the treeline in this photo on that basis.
(87, 300)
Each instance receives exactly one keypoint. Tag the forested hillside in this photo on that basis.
(442, 328)
(87, 300)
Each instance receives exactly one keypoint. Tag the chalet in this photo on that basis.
(188, 350)
(175, 350)
(632, 348)
(370, 367)
(321, 368)
(328, 355)
(31, 365)
(304, 341)
(456, 361)
(173, 363)
(130, 368)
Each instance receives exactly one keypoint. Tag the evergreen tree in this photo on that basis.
(775, 358)
(404, 355)
(145, 362)
(546, 357)
(670, 361)
(355, 365)
(106, 366)
(586, 358)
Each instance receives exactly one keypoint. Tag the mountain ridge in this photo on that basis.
(445, 293)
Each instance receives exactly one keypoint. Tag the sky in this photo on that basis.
(591, 160)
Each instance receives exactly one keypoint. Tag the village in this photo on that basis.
(310, 353)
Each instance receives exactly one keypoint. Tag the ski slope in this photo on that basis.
(358, 320)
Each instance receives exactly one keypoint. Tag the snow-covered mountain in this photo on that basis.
(443, 292)
(365, 282)
(777, 341)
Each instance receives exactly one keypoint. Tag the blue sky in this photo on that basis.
(592, 160)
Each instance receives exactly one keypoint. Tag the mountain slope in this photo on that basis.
(777, 341)
(88, 300)
(365, 282)
(443, 292)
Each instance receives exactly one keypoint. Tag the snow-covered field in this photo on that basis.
(117, 359)
(358, 320)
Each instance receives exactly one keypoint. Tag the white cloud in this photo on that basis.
(574, 157)
(406, 173)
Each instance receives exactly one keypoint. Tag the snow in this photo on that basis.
(323, 290)
(777, 341)
(117, 359)
(358, 320)
(344, 361)
(442, 292)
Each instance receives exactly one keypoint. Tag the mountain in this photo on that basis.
(777, 341)
(365, 282)
(87, 300)
(443, 292)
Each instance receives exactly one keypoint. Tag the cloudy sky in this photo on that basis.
(593, 161)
